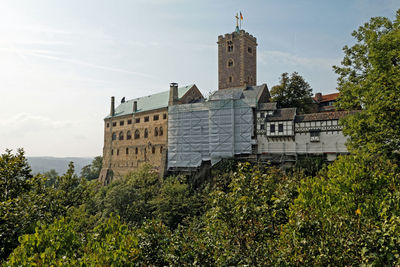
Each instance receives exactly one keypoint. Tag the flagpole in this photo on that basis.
(240, 20)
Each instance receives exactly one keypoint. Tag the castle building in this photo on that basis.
(135, 132)
(178, 130)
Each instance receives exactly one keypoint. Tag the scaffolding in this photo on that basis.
(209, 131)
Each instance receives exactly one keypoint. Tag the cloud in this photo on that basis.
(278, 57)
(24, 124)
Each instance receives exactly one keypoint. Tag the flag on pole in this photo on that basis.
(241, 16)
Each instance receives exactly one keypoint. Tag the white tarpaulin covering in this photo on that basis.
(213, 130)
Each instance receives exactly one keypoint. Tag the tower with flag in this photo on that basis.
(237, 58)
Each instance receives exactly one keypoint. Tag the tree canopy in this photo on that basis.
(293, 91)
(369, 79)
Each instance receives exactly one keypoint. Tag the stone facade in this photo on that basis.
(139, 136)
(237, 64)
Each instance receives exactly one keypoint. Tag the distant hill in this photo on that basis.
(44, 164)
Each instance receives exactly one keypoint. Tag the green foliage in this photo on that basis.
(370, 78)
(344, 216)
(241, 225)
(15, 175)
(310, 165)
(92, 171)
(110, 243)
(293, 91)
(130, 197)
(52, 177)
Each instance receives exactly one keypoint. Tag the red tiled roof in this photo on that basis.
(322, 116)
(326, 98)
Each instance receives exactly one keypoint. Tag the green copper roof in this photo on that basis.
(147, 103)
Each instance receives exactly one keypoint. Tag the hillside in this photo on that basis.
(44, 164)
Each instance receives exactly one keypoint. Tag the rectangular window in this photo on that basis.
(164, 116)
(146, 119)
(272, 128)
(262, 126)
(314, 136)
(155, 118)
(114, 124)
(262, 115)
(280, 128)
(137, 120)
(129, 121)
(108, 124)
(121, 123)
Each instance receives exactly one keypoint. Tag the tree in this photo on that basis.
(92, 171)
(52, 176)
(15, 175)
(348, 215)
(293, 91)
(369, 79)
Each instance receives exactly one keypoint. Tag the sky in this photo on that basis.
(61, 61)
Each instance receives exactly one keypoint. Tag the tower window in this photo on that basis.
(230, 63)
(250, 50)
(229, 46)
(230, 79)
(127, 151)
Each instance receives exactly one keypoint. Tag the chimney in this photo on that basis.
(173, 94)
(318, 97)
(134, 106)
(112, 112)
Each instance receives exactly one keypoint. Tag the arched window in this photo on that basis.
(117, 152)
(161, 148)
(136, 151)
(230, 63)
(229, 45)
(114, 136)
(112, 151)
(156, 131)
(121, 136)
(137, 134)
(127, 151)
(146, 133)
(161, 131)
(128, 135)
(153, 149)
(230, 79)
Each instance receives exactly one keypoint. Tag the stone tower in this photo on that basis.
(237, 60)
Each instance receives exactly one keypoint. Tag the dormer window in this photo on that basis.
(230, 63)
(229, 46)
